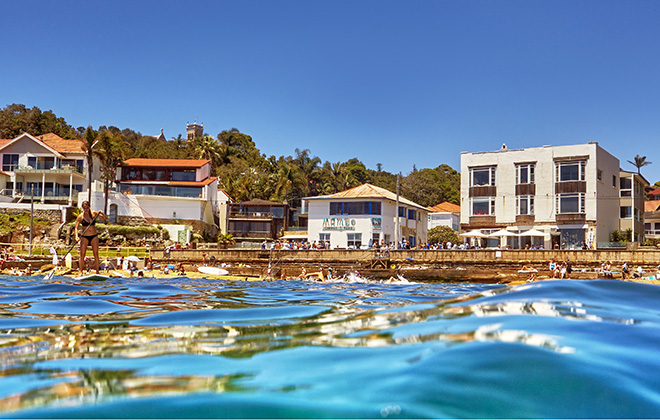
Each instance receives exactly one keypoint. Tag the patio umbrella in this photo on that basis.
(132, 258)
(533, 232)
(502, 232)
(474, 234)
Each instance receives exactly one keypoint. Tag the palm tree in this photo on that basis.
(112, 150)
(639, 162)
(309, 167)
(206, 147)
(290, 180)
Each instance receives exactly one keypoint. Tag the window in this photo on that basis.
(570, 171)
(324, 237)
(112, 216)
(525, 173)
(614, 181)
(626, 212)
(625, 185)
(480, 177)
(570, 203)
(412, 214)
(483, 206)
(402, 212)
(599, 174)
(412, 241)
(355, 207)
(375, 238)
(183, 175)
(9, 162)
(524, 204)
(354, 240)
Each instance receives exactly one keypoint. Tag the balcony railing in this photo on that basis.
(255, 214)
(40, 168)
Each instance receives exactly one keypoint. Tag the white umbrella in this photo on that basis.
(502, 232)
(533, 232)
(474, 234)
(132, 258)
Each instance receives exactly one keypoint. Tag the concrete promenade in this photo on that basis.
(454, 265)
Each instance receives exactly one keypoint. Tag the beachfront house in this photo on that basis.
(257, 220)
(563, 196)
(360, 216)
(46, 170)
(631, 204)
(178, 194)
(652, 219)
(445, 214)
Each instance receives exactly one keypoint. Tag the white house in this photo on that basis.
(563, 195)
(46, 169)
(358, 217)
(178, 194)
(445, 214)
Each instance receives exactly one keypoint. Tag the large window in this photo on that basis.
(525, 204)
(570, 203)
(9, 162)
(183, 175)
(570, 171)
(355, 207)
(412, 214)
(483, 206)
(626, 212)
(354, 240)
(525, 173)
(480, 177)
(625, 185)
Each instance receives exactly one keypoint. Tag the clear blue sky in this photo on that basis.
(400, 83)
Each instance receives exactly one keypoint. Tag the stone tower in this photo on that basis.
(194, 130)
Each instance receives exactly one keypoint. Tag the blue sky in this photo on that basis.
(391, 82)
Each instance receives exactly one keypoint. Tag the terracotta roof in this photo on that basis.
(63, 146)
(445, 207)
(652, 205)
(181, 163)
(369, 191)
(655, 192)
(55, 142)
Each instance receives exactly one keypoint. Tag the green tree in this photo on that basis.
(639, 162)
(16, 119)
(443, 234)
(112, 150)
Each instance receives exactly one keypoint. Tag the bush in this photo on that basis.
(443, 234)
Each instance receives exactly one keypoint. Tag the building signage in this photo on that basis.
(335, 223)
(376, 223)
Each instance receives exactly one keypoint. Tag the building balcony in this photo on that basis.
(525, 219)
(571, 218)
(477, 222)
(40, 169)
(251, 215)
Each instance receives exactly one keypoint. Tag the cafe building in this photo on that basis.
(359, 217)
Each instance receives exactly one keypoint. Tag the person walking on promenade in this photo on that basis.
(88, 236)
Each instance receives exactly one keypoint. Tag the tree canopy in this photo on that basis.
(242, 170)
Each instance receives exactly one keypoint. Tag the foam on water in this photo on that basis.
(351, 348)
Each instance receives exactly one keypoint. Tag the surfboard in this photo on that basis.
(213, 270)
(92, 277)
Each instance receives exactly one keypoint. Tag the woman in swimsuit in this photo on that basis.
(87, 219)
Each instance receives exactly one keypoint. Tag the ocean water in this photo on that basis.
(180, 347)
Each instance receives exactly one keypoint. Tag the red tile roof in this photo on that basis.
(63, 146)
(180, 163)
(651, 205)
(655, 192)
(445, 207)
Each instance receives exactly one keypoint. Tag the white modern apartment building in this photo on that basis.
(566, 196)
(179, 194)
(358, 217)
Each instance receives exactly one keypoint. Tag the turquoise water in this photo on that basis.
(190, 348)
